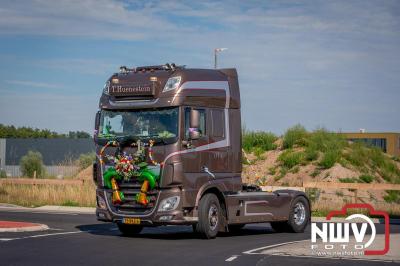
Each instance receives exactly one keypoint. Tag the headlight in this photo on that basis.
(106, 88)
(169, 204)
(172, 83)
(101, 203)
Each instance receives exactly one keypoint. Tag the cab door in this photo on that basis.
(194, 161)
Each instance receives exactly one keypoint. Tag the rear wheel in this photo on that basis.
(209, 216)
(299, 216)
(129, 230)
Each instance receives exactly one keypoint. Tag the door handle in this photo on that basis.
(205, 169)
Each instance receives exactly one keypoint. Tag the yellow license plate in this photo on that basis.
(131, 221)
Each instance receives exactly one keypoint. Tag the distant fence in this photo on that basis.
(51, 170)
(332, 185)
(355, 187)
(38, 181)
(54, 151)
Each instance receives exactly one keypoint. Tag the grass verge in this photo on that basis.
(39, 195)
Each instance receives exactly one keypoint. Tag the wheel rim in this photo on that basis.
(299, 215)
(213, 216)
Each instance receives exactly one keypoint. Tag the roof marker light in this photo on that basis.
(172, 83)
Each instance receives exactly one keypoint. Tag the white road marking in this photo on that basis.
(252, 251)
(43, 235)
(331, 258)
(232, 258)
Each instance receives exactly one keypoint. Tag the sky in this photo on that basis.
(332, 64)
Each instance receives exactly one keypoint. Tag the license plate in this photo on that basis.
(131, 221)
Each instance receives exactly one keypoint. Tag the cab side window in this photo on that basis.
(202, 128)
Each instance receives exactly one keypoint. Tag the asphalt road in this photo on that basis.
(78, 239)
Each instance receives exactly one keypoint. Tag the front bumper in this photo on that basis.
(152, 218)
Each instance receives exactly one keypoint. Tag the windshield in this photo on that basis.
(161, 123)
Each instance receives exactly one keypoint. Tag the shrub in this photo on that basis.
(378, 159)
(294, 135)
(315, 173)
(32, 162)
(289, 158)
(259, 152)
(358, 154)
(85, 160)
(323, 140)
(329, 159)
(262, 140)
(348, 180)
(366, 178)
(392, 196)
(311, 154)
(3, 173)
(295, 169)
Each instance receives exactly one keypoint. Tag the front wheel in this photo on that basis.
(129, 230)
(209, 216)
(299, 216)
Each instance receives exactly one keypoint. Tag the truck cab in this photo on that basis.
(168, 144)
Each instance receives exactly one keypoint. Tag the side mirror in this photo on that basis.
(194, 134)
(97, 121)
(96, 126)
(194, 118)
(194, 124)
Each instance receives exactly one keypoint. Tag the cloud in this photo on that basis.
(78, 65)
(319, 62)
(105, 19)
(27, 83)
(48, 110)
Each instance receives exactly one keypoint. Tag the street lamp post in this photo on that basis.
(216, 50)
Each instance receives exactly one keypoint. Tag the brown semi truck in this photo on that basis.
(168, 143)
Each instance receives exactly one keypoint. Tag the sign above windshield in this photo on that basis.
(131, 90)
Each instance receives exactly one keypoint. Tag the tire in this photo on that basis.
(299, 216)
(210, 216)
(235, 228)
(129, 230)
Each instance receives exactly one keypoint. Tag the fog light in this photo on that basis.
(101, 203)
(169, 204)
(101, 215)
(166, 218)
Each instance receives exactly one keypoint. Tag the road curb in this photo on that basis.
(55, 208)
(11, 226)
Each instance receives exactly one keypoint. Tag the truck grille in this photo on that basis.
(130, 206)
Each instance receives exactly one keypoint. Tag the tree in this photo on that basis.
(28, 132)
(31, 162)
